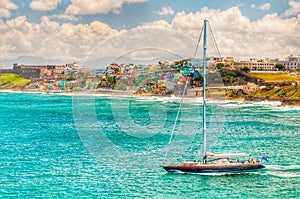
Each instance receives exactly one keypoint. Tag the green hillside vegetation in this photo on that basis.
(292, 91)
(234, 93)
(8, 81)
(226, 77)
(271, 77)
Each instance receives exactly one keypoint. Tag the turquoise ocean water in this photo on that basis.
(55, 146)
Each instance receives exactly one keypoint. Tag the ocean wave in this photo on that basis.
(286, 108)
(231, 105)
(268, 103)
(283, 168)
(276, 105)
(284, 174)
(291, 171)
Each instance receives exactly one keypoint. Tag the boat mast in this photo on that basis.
(204, 93)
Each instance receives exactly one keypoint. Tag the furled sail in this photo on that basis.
(225, 155)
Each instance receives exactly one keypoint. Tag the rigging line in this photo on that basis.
(217, 137)
(214, 40)
(175, 123)
(244, 127)
(232, 137)
(230, 134)
(199, 39)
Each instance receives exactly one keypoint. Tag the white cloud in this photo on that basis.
(65, 17)
(157, 24)
(253, 6)
(236, 35)
(44, 5)
(50, 39)
(265, 6)
(145, 43)
(165, 11)
(294, 10)
(5, 7)
(79, 7)
(135, 1)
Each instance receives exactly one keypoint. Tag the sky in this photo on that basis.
(89, 29)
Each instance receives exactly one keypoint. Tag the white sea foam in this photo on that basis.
(230, 105)
(283, 168)
(13, 91)
(286, 108)
(9, 91)
(284, 174)
(268, 103)
(275, 105)
(291, 171)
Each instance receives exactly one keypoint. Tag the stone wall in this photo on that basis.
(4, 71)
(37, 72)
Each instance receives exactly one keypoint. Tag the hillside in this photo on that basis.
(292, 91)
(273, 77)
(226, 77)
(9, 81)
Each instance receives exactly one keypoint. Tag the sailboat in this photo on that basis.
(213, 163)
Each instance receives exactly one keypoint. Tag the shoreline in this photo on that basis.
(279, 102)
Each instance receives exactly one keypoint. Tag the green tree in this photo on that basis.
(220, 65)
(245, 69)
(269, 87)
(70, 78)
(280, 66)
(298, 70)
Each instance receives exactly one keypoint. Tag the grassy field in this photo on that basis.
(8, 81)
(271, 77)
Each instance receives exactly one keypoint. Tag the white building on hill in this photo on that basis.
(292, 62)
(257, 64)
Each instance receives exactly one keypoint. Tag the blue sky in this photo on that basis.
(134, 14)
(72, 29)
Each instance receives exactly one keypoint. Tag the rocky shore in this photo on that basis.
(285, 101)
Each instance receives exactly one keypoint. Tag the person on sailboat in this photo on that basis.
(265, 157)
